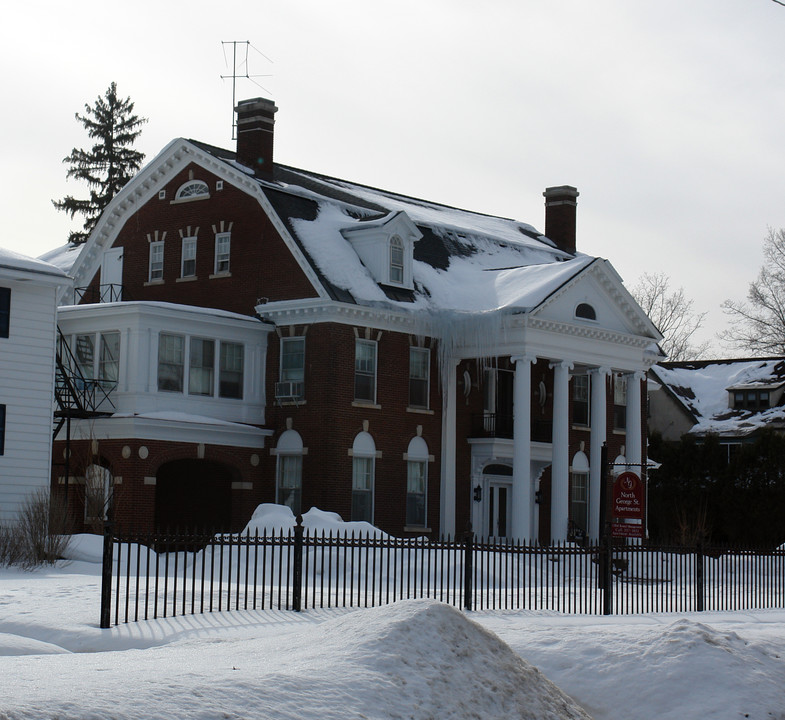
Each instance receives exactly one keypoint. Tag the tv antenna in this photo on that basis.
(241, 69)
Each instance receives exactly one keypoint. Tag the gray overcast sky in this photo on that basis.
(668, 116)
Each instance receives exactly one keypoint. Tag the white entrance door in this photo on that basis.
(112, 276)
(498, 507)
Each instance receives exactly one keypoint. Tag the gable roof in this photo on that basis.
(701, 388)
(465, 262)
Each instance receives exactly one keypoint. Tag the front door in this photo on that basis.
(498, 508)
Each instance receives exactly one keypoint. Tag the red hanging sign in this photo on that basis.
(628, 497)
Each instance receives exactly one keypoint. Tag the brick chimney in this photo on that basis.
(560, 209)
(255, 121)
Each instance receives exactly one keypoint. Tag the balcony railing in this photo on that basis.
(102, 294)
(497, 425)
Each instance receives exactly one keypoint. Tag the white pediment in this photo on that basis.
(596, 299)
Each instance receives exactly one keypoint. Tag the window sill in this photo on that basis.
(586, 428)
(190, 278)
(366, 404)
(419, 411)
(215, 276)
(290, 403)
(153, 282)
(417, 529)
(193, 198)
(617, 431)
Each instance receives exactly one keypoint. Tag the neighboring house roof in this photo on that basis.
(14, 264)
(702, 387)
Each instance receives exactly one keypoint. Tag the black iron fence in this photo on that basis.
(144, 578)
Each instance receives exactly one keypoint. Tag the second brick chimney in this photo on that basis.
(255, 121)
(560, 210)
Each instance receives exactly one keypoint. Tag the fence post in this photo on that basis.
(106, 577)
(297, 579)
(468, 570)
(606, 568)
(699, 577)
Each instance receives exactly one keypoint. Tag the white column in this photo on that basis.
(599, 398)
(560, 467)
(522, 492)
(447, 490)
(634, 449)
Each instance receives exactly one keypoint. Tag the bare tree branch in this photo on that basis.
(758, 325)
(672, 313)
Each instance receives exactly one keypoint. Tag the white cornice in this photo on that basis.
(137, 427)
(304, 312)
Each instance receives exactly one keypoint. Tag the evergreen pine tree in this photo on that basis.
(109, 164)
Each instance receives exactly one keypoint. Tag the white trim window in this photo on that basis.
(419, 376)
(580, 400)
(201, 366)
(363, 472)
(156, 266)
(188, 259)
(223, 244)
(230, 379)
(109, 358)
(193, 190)
(289, 483)
(579, 502)
(362, 489)
(292, 371)
(84, 352)
(396, 260)
(98, 493)
(417, 483)
(5, 311)
(619, 402)
(171, 362)
(2, 429)
(365, 370)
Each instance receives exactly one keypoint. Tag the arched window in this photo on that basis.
(192, 190)
(363, 469)
(289, 470)
(585, 312)
(98, 488)
(396, 260)
(416, 482)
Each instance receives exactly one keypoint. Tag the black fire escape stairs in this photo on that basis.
(77, 397)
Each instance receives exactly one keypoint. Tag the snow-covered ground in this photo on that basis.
(414, 659)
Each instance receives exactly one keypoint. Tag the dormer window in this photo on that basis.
(396, 260)
(193, 190)
(385, 247)
(754, 400)
(584, 311)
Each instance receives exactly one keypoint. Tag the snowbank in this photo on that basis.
(270, 519)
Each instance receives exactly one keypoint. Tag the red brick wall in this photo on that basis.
(328, 423)
(260, 263)
(134, 504)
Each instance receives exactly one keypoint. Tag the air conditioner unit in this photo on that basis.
(288, 390)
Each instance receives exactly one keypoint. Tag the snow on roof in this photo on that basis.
(63, 257)
(10, 260)
(702, 387)
(465, 261)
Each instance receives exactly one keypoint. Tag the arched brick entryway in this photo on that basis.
(194, 495)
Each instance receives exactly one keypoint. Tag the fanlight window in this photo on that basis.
(193, 189)
(585, 311)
